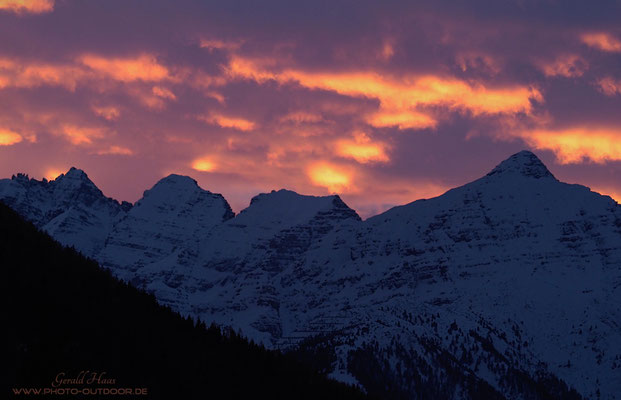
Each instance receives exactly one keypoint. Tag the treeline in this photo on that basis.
(62, 313)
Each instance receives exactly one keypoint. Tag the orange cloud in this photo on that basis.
(116, 150)
(217, 96)
(8, 138)
(221, 161)
(576, 145)
(38, 75)
(362, 149)
(402, 120)
(602, 41)
(25, 74)
(109, 113)
(334, 178)
(228, 122)
(609, 86)
(163, 93)
(81, 135)
(251, 69)
(28, 75)
(27, 6)
(144, 67)
(202, 80)
(569, 66)
(424, 90)
(399, 98)
(204, 164)
(154, 99)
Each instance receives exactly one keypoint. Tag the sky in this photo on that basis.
(381, 102)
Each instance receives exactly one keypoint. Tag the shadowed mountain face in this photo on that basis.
(507, 286)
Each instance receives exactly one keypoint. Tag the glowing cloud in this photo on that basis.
(568, 66)
(8, 138)
(362, 149)
(109, 113)
(163, 93)
(216, 44)
(80, 135)
(115, 150)
(240, 67)
(32, 74)
(609, 86)
(602, 41)
(399, 98)
(402, 120)
(204, 165)
(27, 6)
(228, 122)
(145, 67)
(333, 178)
(28, 74)
(572, 146)
(217, 96)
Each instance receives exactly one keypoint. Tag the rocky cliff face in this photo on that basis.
(507, 287)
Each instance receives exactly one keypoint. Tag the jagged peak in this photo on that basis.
(21, 177)
(73, 179)
(76, 173)
(524, 163)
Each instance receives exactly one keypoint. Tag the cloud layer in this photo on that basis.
(383, 103)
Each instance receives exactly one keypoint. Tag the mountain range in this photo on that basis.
(70, 323)
(506, 287)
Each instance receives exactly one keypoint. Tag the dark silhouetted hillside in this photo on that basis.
(62, 313)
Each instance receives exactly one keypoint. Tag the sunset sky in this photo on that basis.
(382, 102)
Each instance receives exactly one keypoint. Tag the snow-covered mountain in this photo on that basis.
(169, 219)
(507, 287)
(70, 208)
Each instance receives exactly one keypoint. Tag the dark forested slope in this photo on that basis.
(64, 314)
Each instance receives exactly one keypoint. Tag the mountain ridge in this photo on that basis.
(508, 281)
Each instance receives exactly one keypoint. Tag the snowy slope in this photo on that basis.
(233, 279)
(532, 264)
(506, 287)
(169, 219)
